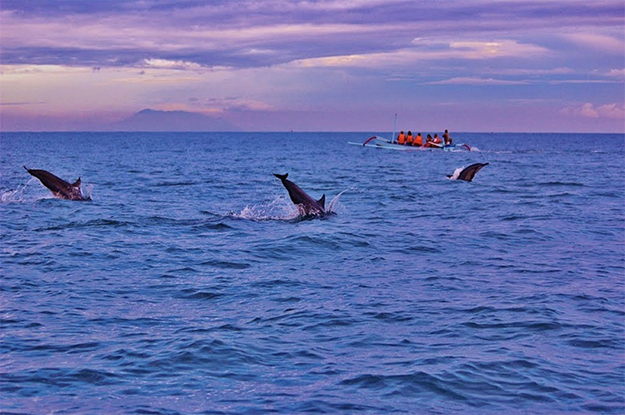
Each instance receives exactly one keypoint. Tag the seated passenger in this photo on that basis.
(401, 138)
(437, 139)
(409, 138)
(418, 140)
(428, 141)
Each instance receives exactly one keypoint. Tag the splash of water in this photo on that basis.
(86, 191)
(281, 209)
(334, 204)
(456, 173)
(277, 209)
(12, 196)
(23, 194)
(18, 195)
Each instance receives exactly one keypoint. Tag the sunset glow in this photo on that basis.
(517, 65)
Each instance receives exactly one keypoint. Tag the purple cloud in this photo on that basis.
(276, 55)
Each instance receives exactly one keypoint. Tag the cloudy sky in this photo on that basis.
(316, 65)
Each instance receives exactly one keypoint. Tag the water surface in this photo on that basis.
(189, 286)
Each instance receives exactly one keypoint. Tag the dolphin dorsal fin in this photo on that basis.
(322, 201)
(76, 183)
(281, 176)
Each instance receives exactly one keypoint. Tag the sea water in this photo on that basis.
(189, 285)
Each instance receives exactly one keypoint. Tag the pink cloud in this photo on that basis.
(476, 81)
(589, 110)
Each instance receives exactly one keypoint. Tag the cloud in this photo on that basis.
(496, 49)
(618, 73)
(425, 50)
(589, 110)
(276, 55)
(611, 111)
(531, 71)
(228, 104)
(597, 41)
(15, 71)
(169, 64)
(584, 81)
(18, 104)
(247, 33)
(476, 82)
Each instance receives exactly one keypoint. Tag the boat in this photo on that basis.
(383, 143)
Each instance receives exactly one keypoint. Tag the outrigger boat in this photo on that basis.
(379, 142)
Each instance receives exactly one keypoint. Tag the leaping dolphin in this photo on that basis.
(468, 173)
(305, 204)
(59, 187)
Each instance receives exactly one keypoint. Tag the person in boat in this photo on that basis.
(433, 142)
(418, 141)
(447, 138)
(428, 140)
(401, 138)
(409, 138)
(436, 141)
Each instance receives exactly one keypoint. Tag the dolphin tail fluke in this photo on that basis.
(281, 176)
(322, 201)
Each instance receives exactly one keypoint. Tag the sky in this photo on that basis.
(325, 65)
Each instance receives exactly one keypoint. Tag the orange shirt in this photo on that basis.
(401, 138)
(409, 139)
(418, 140)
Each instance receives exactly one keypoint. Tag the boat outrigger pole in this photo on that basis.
(394, 129)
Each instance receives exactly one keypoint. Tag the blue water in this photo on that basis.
(190, 286)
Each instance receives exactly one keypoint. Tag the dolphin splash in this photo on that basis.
(59, 187)
(468, 173)
(306, 205)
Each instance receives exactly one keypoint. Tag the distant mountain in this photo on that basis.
(155, 120)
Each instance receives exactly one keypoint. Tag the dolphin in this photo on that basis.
(59, 187)
(468, 173)
(305, 204)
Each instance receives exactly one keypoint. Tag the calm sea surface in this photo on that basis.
(189, 286)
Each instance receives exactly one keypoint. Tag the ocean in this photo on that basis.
(189, 285)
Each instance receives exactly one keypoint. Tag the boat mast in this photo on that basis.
(394, 129)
